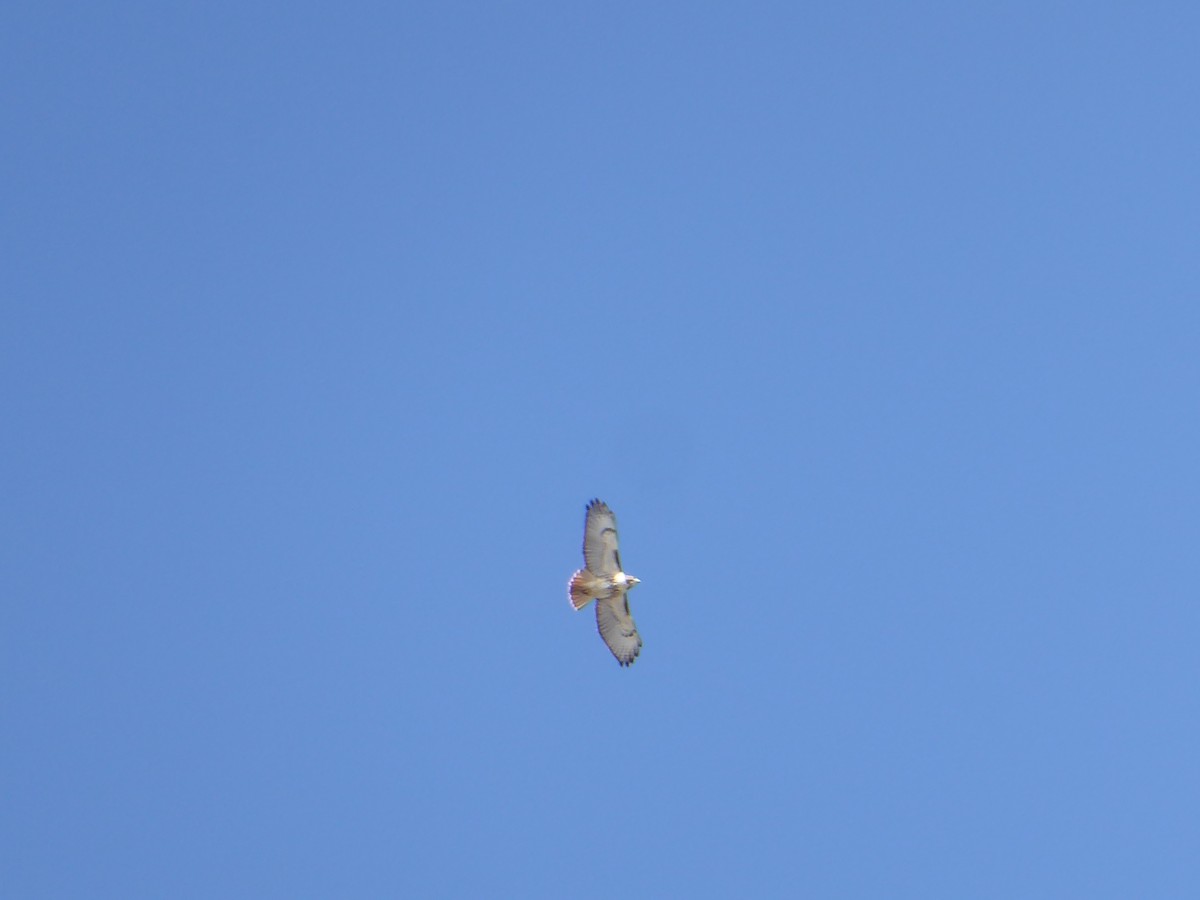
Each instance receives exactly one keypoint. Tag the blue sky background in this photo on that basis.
(877, 325)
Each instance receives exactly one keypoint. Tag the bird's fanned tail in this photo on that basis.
(579, 589)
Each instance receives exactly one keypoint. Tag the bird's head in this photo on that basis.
(631, 581)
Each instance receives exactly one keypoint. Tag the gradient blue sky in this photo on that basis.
(877, 324)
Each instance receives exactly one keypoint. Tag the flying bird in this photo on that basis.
(602, 579)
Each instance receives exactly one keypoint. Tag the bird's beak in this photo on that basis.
(634, 580)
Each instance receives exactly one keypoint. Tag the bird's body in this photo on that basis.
(603, 581)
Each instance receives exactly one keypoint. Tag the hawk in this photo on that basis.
(601, 579)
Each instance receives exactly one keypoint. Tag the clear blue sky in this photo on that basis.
(877, 324)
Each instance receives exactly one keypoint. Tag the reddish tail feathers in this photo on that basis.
(580, 589)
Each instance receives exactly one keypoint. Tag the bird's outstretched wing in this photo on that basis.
(617, 628)
(600, 553)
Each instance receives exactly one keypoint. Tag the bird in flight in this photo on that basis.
(602, 579)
